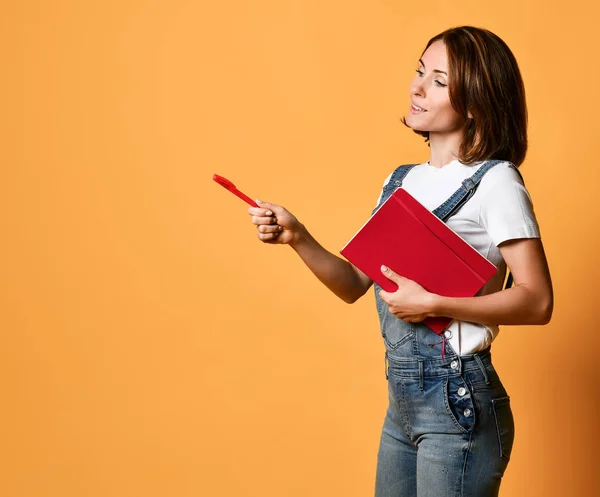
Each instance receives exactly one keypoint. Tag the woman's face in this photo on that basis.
(429, 92)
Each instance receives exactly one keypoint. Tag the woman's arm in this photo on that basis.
(343, 278)
(277, 225)
(530, 301)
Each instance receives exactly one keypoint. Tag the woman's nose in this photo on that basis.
(416, 88)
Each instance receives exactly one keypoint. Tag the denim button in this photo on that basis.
(467, 412)
(397, 182)
(462, 391)
(454, 364)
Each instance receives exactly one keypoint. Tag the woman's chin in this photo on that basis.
(416, 127)
(410, 122)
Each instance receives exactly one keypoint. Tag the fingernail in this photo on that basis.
(384, 268)
(258, 201)
(269, 213)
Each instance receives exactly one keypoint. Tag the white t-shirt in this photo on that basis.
(499, 210)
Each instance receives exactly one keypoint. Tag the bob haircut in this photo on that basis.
(484, 79)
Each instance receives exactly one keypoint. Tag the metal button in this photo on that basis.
(462, 391)
(467, 412)
(454, 364)
(397, 182)
(448, 334)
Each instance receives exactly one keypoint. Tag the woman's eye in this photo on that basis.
(439, 83)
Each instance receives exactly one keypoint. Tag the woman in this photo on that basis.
(449, 429)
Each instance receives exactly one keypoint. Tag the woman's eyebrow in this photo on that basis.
(435, 70)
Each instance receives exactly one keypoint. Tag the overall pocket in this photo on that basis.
(394, 334)
(459, 403)
(477, 379)
(505, 425)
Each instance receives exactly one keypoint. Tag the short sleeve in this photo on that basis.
(506, 208)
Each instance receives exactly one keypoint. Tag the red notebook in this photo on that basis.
(405, 236)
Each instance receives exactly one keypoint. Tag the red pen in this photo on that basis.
(225, 183)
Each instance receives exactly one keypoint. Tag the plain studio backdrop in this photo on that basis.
(151, 345)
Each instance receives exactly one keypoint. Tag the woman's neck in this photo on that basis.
(444, 147)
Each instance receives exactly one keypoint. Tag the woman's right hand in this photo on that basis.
(275, 224)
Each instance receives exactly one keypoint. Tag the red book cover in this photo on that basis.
(404, 235)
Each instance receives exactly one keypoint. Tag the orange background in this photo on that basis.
(152, 345)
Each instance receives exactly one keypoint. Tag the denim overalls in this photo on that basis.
(448, 430)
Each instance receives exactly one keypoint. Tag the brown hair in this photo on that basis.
(484, 79)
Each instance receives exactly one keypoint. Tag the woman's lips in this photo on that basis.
(414, 110)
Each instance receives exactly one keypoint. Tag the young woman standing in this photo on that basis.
(449, 430)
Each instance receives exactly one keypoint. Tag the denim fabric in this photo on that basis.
(449, 428)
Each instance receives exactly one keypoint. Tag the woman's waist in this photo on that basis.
(415, 366)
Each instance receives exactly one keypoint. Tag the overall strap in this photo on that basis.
(399, 174)
(394, 182)
(465, 192)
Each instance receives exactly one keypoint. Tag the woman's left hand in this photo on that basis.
(411, 302)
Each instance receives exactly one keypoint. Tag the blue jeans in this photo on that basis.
(449, 428)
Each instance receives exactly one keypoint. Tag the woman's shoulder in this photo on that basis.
(502, 189)
(503, 175)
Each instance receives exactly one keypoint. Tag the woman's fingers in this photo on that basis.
(269, 228)
(262, 216)
(274, 223)
(264, 219)
(268, 236)
(269, 232)
(258, 211)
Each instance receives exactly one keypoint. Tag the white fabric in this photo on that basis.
(500, 210)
